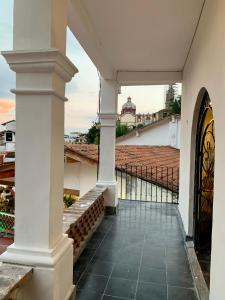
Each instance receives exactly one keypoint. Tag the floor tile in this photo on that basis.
(150, 291)
(180, 279)
(152, 275)
(87, 295)
(87, 254)
(105, 297)
(136, 255)
(95, 283)
(175, 293)
(94, 243)
(77, 274)
(149, 249)
(98, 267)
(127, 271)
(177, 267)
(155, 262)
(81, 264)
(120, 287)
(129, 258)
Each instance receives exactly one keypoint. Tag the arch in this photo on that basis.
(202, 174)
(198, 102)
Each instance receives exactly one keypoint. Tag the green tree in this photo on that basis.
(121, 129)
(92, 136)
(175, 107)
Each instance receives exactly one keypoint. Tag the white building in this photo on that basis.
(168, 41)
(7, 136)
(129, 117)
(164, 132)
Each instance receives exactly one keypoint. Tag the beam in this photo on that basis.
(82, 28)
(148, 77)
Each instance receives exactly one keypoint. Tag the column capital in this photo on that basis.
(41, 61)
(111, 82)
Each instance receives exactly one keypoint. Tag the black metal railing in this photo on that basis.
(148, 183)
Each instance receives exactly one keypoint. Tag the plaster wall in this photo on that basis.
(88, 178)
(127, 119)
(80, 176)
(72, 175)
(205, 67)
(167, 134)
(174, 133)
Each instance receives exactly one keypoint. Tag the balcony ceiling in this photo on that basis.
(147, 36)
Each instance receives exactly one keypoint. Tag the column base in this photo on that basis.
(110, 195)
(52, 270)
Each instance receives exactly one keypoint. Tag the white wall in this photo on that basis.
(127, 119)
(80, 176)
(205, 67)
(88, 178)
(174, 133)
(166, 134)
(72, 175)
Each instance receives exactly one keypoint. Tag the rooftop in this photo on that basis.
(157, 164)
(161, 156)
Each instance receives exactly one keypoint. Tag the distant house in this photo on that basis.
(7, 136)
(75, 137)
(163, 132)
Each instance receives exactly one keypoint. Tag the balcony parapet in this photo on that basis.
(12, 278)
(82, 218)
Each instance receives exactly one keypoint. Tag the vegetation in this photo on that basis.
(92, 136)
(140, 125)
(68, 200)
(175, 107)
(122, 129)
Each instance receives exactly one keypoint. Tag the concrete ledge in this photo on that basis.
(82, 218)
(199, 281)
(198, 278)
(12, 277)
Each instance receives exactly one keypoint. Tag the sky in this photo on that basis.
(82, 91)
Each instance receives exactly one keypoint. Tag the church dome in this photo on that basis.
(129, 104)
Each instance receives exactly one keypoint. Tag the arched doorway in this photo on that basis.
(204, 185)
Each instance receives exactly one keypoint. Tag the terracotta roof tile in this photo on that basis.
(159, 164)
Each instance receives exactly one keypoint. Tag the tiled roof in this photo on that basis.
(159, 164)
(164, 156)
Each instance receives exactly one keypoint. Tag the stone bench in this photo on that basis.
(82, 218)
(12, 278)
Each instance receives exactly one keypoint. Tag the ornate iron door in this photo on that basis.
(204, 177)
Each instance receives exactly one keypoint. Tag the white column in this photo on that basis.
(108, 117)
(42, 70)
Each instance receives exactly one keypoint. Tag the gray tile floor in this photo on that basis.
(138, 254)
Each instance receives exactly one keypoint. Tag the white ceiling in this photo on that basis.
(135, 35)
